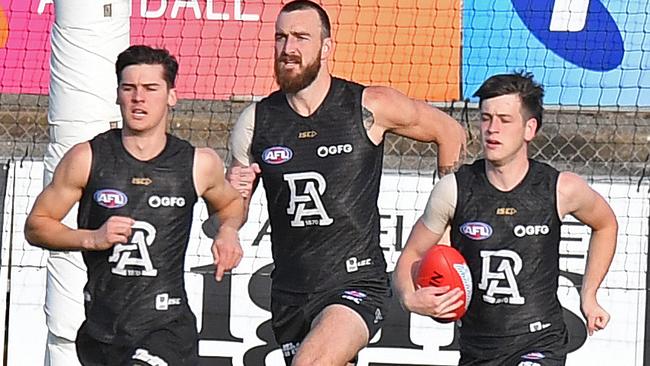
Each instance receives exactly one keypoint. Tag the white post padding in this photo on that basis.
(86, 37)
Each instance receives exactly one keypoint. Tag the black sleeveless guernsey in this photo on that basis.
(321, 175)
(135, 287)
(511, 243)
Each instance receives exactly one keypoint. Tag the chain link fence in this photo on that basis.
(590, 142)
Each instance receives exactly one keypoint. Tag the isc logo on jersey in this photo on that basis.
(476, 230)
(276, 155)
(110, 198)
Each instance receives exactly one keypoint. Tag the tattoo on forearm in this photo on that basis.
(368, 118)
(448, 169)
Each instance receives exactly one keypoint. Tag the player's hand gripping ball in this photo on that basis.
(441, 266)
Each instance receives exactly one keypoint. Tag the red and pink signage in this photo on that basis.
(225, 47)
(24, 46)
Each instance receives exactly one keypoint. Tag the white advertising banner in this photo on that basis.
(233, 316)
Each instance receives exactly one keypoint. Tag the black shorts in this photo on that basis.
(175, 344)
(293, 314)
(545, 348)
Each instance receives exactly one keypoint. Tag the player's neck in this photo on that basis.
(144, 145)
(506, 176)
(307, 101)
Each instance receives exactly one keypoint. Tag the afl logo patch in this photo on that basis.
(276, 155)
(476, 230)
(110, 198)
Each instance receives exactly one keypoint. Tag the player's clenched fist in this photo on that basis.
(117, 229)
(242, 178)
(596, 317)
(226, 250)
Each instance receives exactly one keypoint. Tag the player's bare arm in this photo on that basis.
(575, 197)
(243, 173)
(43, 226)
(244, 178)
(226, 202)
(388, 110)
(437, 302)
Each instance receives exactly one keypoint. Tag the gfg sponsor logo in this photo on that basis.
(476, 230)
(276, 155)
(530, 230)
(582, 32)
(325, 151)
(110, 198)
(164, 201)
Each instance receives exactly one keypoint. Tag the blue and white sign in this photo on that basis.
(584, 52)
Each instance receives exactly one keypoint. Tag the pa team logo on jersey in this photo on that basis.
(476, 230)
(276, 155)
(110, 198)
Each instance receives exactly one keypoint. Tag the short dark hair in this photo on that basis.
(145, 55)
(521, 83)
(326, 28)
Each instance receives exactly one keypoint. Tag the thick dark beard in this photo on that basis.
(291, 83)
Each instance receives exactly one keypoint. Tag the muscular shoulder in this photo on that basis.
(568, 184)
(394, 111)
(570, 190)
(375, 97)
(384, 109)
(74, 167)
(208, 169)
(206, 159)
(81, 150)
(79, 156)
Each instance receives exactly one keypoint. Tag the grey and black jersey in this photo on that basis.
(511, 243)
(137, 286)
(321, 175)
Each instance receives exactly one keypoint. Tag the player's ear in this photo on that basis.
(326, 48)
(171, 97)
(530, 129)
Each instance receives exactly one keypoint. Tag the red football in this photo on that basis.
(443, 265)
